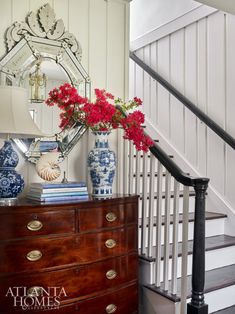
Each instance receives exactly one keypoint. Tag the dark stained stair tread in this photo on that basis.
(215, 279)
(228, 310)
(212, 243)
(209, 216)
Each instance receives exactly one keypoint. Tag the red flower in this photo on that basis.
(101, 115)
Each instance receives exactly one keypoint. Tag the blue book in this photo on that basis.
(46, 185)
(41, 190)
(60, 194)
(58, 198)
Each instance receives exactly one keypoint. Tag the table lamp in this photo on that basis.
(15, 122)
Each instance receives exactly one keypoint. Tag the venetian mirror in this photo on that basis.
(42, 41)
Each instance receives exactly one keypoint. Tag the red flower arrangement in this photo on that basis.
(102, 114)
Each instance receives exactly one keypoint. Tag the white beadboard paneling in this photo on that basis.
(191, 130)
(115, 57)
(177, 114)
(216, 68)
(5, 22)
(199, 61)
(139, 78)
(153, 85)
(230, 73)
(147, 83)
(79, 12)
(202, 92)
(36, 4)
(61, 9)
(115, 51)
(163, 65)
(98, 43)
(230, 108)
(132, 75)
(19, 9)
(216, 96)
(78, 24)
(230, 157)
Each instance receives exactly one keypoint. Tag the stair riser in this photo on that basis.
(213, 227)
(214, 259)
(220, 299)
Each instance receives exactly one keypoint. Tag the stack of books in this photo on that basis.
(56, 192)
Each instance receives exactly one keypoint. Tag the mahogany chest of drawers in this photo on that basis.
(69, 258)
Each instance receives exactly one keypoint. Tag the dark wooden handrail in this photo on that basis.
(184, 100)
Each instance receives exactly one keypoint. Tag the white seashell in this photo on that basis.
(47, 166)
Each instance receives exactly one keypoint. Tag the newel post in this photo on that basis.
(197, 304)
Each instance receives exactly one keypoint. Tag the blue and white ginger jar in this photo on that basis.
(11, 182)
(102, 165)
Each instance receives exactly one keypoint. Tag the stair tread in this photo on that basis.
(215, 279)
(212, 243)
(209, 216)
(228, 310)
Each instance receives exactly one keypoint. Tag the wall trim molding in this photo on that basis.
(186, 19)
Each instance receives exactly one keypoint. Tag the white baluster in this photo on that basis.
(144, 206)
(175, 238)
(131, 165)
(125, 166)
(159, 225)
(166, 233)
(184, 265)
(151, 205)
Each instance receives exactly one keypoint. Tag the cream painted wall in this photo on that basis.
(102, 28)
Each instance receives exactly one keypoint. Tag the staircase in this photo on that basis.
(187, 262)
(161, 294)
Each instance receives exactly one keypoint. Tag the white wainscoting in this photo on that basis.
(102, 28)
(199, 60)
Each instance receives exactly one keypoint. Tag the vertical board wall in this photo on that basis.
(101, 26)
(198, 60)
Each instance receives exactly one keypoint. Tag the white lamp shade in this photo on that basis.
(15, 119)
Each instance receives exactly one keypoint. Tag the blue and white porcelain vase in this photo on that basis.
(102, 165)
(11, 182)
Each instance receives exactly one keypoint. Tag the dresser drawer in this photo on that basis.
(77, 282)
(16, 225)
(41, 252)
(107, 216)
(122, 301)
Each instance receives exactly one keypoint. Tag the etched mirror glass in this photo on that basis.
(43, 39)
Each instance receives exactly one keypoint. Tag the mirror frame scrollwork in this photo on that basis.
(41, 36)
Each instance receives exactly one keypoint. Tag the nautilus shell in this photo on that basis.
(47, 166)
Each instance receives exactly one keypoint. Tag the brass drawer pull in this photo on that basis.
(35, 291)
(111, 217)
(111, 308)
(34, 255)
(110, 243)
(111, 274)
(34, 225)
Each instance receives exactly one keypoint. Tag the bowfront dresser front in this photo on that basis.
(69, 258)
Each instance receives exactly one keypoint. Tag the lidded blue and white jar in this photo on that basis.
(102, 165)
(11, 182)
